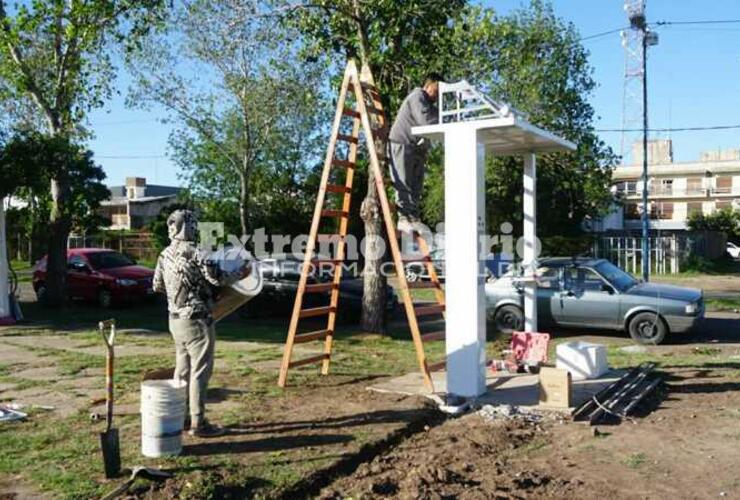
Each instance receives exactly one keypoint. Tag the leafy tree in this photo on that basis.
(249, 117)
(534, 61)
(396, 39)
(726, 220)
(55, 60)
(61, 159)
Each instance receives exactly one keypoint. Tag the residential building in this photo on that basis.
(136, 203)
(675, 189)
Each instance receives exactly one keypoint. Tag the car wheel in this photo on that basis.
(647, 328)
(42, 293)
(105, 299)
(508, 319)
(412, 274)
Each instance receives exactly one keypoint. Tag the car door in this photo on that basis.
(77, 276)
(548, 295)
(586, 300)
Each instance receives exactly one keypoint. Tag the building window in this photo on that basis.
(694, 207)
(627, 187)
(661, 211)
(721, 205)
(694, 185)
(631, 211)
(724, 184)
(662, 187)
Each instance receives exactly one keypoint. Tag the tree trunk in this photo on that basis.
(244, 204)
(374, 282)
(59, 226)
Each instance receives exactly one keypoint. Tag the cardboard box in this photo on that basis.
(555, 388)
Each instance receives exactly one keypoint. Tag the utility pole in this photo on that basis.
(636, 41)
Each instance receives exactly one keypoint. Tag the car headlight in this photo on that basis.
(125, 282)
(692, 309)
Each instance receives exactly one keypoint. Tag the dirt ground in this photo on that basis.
(686, 447)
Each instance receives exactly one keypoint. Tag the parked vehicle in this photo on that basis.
(496, 265)
(280, 278)
(594, 293)
(733, 250)
(100, 275)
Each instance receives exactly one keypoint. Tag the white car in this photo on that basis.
(733, 250)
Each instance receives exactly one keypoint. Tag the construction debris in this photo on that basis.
(509, 412)
(619, 400)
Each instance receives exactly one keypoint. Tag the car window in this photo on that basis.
(581, 279)
(548, 278)
(75, 262)
(108, 260)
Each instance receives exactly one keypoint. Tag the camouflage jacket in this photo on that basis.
(189, 279)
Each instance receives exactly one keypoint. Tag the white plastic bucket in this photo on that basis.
(163, 404)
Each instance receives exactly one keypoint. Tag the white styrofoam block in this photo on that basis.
(584, 360)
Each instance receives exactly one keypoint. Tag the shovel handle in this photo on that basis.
(108, 339)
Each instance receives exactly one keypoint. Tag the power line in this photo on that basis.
(604, 33)
(678, 129)
(678, 23)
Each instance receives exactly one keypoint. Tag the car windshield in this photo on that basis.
(108, 260)
(621, 280)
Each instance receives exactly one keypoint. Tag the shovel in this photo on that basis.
(138, 471)
(109, 439)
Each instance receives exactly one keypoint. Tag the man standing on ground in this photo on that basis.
(409, 153)
(189, 280)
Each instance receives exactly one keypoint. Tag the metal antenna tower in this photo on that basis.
(632, 109)
(635, 41)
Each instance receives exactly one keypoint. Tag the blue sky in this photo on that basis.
(694, 81)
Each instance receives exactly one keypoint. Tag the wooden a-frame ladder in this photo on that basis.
(367, 116)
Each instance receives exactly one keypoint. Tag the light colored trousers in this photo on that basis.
(407, 173)
(195, 340)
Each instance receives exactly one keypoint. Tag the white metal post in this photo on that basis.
(530, 242)
(4, 305)
(464, 271)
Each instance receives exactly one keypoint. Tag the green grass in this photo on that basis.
(722, 304)
(635, 460)
(61, 456)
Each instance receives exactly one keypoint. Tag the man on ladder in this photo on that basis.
(409, 154)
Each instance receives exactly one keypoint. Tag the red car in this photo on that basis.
(101, 275)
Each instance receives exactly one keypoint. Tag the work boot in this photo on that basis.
(205, 429)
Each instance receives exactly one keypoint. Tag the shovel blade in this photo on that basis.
(111, 453)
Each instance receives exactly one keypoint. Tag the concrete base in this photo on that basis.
(513, 389)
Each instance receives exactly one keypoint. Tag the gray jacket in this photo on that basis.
(189, 280)
(416, 110)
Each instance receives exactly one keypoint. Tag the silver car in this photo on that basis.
(594, 293)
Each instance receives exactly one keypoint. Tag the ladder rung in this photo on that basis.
(309, 336)
(347, 138)
(336, 188)
(319, 287)
(334, 213)
(308, 361)
(364, 86)
(375, 111)
(422, 284)
(343, 163)
(429, 310)
(351, 112)
(422, 258)
(427, 337)
(315, 311)
(437, 366)
(334, 262)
